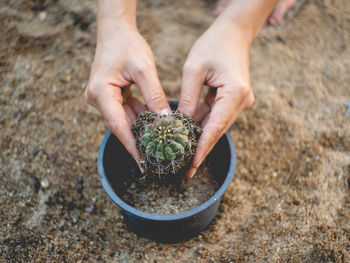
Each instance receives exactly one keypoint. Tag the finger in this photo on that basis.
(280, 11)
(220, 7)
(130, 114)
(201, 112)
(136, 105)
(205, 107)
(195, 164)
(192, 83)
(126, 94)
(109, 104)
(147, 80)
(205, 120)
(225, 110)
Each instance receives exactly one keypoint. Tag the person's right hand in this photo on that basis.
(123, 57)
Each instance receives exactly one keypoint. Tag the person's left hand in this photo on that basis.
(219, 60)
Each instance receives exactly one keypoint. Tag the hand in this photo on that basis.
(123, 57)
(275, 17)
(221, 61)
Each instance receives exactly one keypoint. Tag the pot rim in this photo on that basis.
(163, 217)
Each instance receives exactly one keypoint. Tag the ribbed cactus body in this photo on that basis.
(166, 142)
(165, 138)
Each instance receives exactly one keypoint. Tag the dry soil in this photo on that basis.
(289, 201)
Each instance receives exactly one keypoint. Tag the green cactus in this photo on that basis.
(166, 138)
(166, 142)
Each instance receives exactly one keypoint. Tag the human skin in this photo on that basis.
(219, 59)
(275, 17)
(122, 57)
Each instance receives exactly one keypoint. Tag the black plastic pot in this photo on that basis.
(114, 166)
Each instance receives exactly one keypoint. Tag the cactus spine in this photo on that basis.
(166, 142)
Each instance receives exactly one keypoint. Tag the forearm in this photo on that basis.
(114, 15)
(245, 17)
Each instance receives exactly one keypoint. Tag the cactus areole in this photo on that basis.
(166, 143)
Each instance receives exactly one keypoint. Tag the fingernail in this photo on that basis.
(140, 167)
(165, 111)
(191, 172)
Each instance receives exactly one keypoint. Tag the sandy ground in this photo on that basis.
(289, 201)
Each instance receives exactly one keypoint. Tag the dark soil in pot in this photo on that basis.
(182, 194)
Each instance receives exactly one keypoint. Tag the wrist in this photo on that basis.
(232, 26)
(111, 33)
(229, 35)
(118, 13)
(245, 18)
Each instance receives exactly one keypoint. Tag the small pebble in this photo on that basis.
(274, 174)
(45, 184)
(61, 224)
(90, 209)
(42, 16)
(74, 219)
